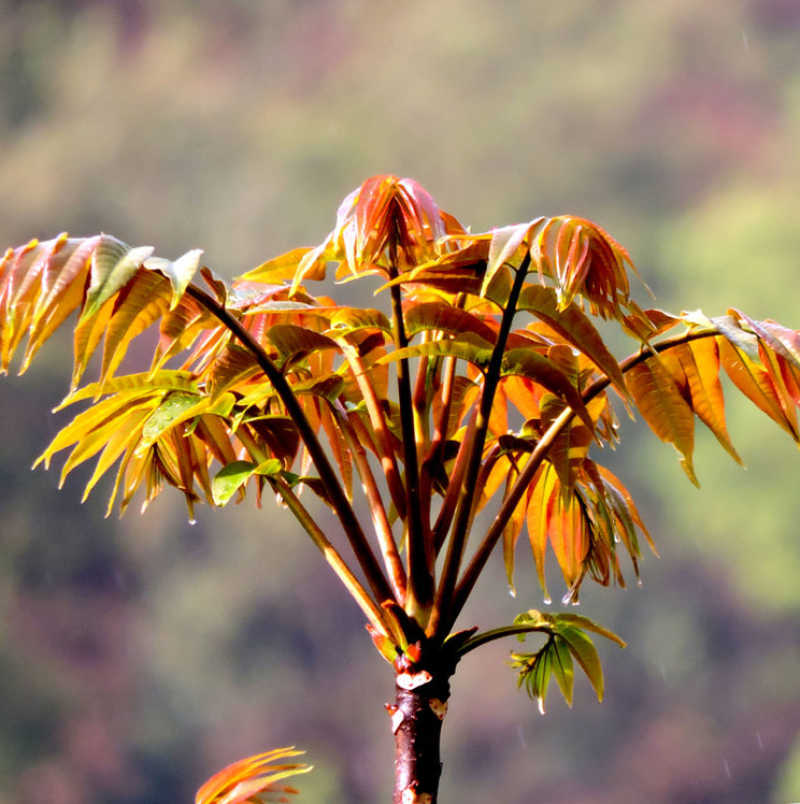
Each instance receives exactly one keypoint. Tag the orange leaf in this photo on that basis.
(695, 368)
(662, 406)
(252, 780)
(754, 381)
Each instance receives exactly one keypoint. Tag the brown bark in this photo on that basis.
(417, 716)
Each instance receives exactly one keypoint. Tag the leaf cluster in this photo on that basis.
(567, 643)
(481, 383)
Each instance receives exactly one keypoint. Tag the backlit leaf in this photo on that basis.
(279, 269)
(441, 317)
(584, 623)
(352, 319)
(294, 341)
(504, 247)
(469, 348)
(230, 479)
(694, 367)
(536, 367)
(180, 272)
(662, 406)
(141, 304)
(574, 326)
(563, 669)
(254, 780)
(170, 411)
(585, 653)
(545, 488)
(62, 291)
(113, 265)
(753, 380)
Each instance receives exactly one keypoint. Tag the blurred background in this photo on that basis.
(139, 656)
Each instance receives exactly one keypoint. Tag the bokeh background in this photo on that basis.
(139, 656)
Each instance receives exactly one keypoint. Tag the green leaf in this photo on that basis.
(567, 641)
(166, 415)
(563, 669)
(584, 652)
(269, 468)
(230, 479)
(579, 621)
(534, 671)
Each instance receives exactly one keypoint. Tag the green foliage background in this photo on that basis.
(137, 657)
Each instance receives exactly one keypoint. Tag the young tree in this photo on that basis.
(483, 384)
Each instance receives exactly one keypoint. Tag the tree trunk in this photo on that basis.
(417, 715)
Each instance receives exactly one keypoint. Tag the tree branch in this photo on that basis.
(352, 527)
(465, 506)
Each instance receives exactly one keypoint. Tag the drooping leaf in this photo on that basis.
(534, 671)
(339, 447)
(513, 529)
(585, 653)
(782, 340)
(567, 641)
(754, 381)
(694, 366)
(353, 319)
(659, 400)
(64, 267)
(571, 446)
(233, 369)
(140, 305)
